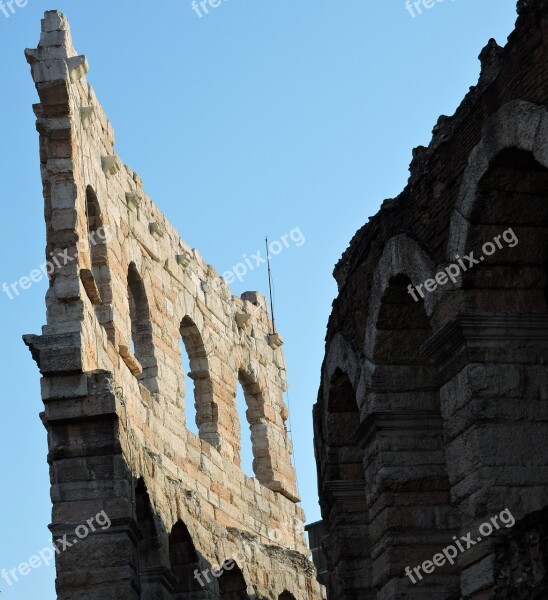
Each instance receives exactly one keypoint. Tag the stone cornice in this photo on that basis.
(341, 489)
(397, 420)
(482, 338)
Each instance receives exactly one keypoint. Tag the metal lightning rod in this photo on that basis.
(270, 287)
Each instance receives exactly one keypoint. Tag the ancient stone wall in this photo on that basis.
(432, 414)
(124, 290)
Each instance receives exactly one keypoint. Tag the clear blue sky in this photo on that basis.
(258, 118)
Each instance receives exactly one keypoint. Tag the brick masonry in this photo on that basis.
(114, 388)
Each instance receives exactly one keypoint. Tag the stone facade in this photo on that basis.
(124, 290)
(432, 414)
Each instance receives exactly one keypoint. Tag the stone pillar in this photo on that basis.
(347, 549)
(93, 524)
(493, 401)
(411, 518)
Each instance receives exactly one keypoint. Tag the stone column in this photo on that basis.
(347, 548)
(93, 523)
(493, 402)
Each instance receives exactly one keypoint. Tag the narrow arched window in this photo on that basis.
(96, 278)
(251, 408)
(201, 410)
(246, 448)
(141, 329)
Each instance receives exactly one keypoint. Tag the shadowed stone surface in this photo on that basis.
(432, 414)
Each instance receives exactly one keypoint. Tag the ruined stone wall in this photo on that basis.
(124, 294)
(432, 414)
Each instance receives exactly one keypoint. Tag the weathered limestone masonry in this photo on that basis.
(113, 384)
(432, 415)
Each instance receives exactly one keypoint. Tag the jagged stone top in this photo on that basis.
(56, 60)
(491, 61)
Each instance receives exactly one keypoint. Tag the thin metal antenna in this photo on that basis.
(270, 288)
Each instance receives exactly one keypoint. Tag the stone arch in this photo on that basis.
(258, 425)
(342, 356)
(402, 254)
(150, 549)
(95, 272)
(141, 329)
(341, 414)
(207, 416)
(344, 508)
(149, 546)
(520, 125)
(503, 317)
(286, 596)
(506, 172)
(402, 428)
(94, 223)
(184, 562)
(341, 427)
(232, 584)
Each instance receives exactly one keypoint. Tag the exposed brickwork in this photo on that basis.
(432, 415)
(113, 384)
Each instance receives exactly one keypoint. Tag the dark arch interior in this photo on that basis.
(149, 545)
(511, 204)
(98, 290)
(402, 326)
(513, 191)
(405, 467)
(93, 210)
(343, 420)
(232, 585)
(184, 561)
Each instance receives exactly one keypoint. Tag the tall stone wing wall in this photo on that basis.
(124, 290)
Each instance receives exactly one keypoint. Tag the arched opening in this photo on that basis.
(201, 409)
(150, 549)
(504, 216)
(188, 394)
(344, 507)
(149, 545)
(96, 235)
(408, 492)
(246, 448)
(141, 329)
(94, 271)
(286, 596)
(232, 585)
(343, 420)
(508, 234)
(184, 561)
(251, 408)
